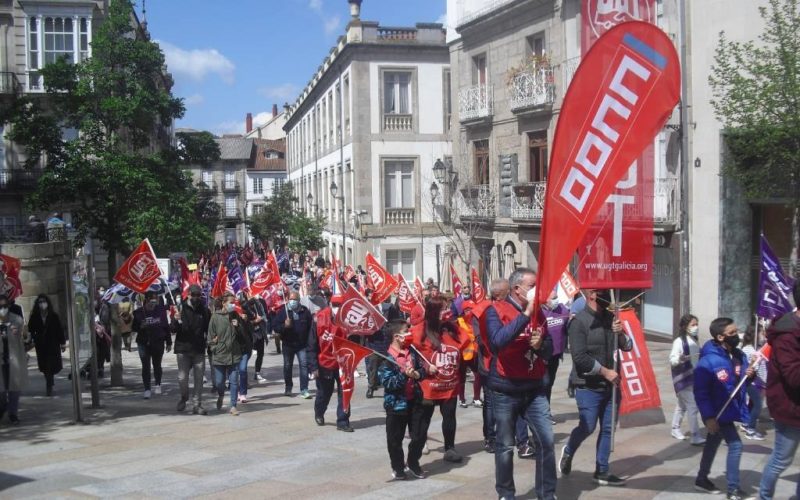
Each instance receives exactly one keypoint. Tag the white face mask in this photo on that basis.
(693, 331)
(43, 306)
(552, 303)
(3, 312)
(531, 295)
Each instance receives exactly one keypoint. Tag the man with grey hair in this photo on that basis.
(517, 376)
(499, 288)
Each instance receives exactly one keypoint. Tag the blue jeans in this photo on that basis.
(243, 374)
(757, 402)
(786, 441)
(521, 431)
(325, 384)
(289, 353)
(533, 406)
(593, 407)
(727, 432)
(488, 415)
(231, 372)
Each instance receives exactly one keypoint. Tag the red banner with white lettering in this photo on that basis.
(621, 95)
(268, 275)
(10, 284)
(357, 315)
(383, 282)
(406, 298)
(140, 269)
(637, 379)
(478, 291)
(617, 251)
(418, 288)
(457, 286)
(348, 355)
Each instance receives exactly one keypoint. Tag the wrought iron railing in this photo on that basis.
(532, 88)
(9, 83)
(527, 201)
(19, 180)
(478, 201)
(568, 69)
(475, 102)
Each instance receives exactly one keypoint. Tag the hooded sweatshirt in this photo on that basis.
(783, 370)
(715, 377)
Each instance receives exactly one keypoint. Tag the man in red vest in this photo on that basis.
(323, 364)
(518, 379)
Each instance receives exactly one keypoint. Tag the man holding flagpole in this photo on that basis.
(294, 324)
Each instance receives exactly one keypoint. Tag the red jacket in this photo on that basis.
(323, 347)
(783, 370)
(447, 359)
(513, 361)
(479, 317)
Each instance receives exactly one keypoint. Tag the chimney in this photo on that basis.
(248, 123)
(274, 110)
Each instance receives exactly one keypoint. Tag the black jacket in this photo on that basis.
(295, 336)
(592, 341)
(48, 337)
(190, 333)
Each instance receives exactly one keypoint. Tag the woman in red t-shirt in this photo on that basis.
(440, 344)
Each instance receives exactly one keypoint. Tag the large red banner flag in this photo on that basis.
(638, 381)
(268, 275)
(188, 278)
(405, 296)
(418, 288)
(357, 315)
(348, 355)
(458, 287)
(622, 94)
(478, 291)
(221, 282)
(383, 282)
(10, 284)
(140, 269)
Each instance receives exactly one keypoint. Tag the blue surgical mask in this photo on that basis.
(230, 307)
(294, 304)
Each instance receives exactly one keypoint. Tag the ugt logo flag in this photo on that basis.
(622, 94)
(348, 355)
(140, 269)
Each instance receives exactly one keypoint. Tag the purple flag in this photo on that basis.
(235, 275)
(775, 287)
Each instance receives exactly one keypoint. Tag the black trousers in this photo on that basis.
(373, 361)
(420, 422)
(448, 410)
(258, 345)
(552, 368)
(396, 424)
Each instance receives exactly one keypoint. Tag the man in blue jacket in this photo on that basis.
(719, 371)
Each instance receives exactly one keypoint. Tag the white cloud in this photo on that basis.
(442, 19)
(315, 5)
(194, 100)
(283, 92)
(197, 64)
(331, 25)
(261, 118)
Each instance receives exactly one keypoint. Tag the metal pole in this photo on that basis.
(685, 268)
(341, 161)
(77, 407)
(438, 263)
(93, 367)
(614, 387)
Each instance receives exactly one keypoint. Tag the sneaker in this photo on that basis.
(416, 471)
(158, 389)
(242, 398)
(220, 398)
(287, 392)
(319, 420)
(477, 403)
(199, 410)
(258, 378)
(706, 486)
(754, 435)
(739, 495)
(698, 440)
(399, 475)
(488, 446)
(677, 434)
(452, 455)
(305, 395)
(425, 449)
(181, 405)
(464, 404)
(234, 411)
(346, 428)
(146, 394)
(370, 393)
(525, 451)
(606, 479)
(565, 463)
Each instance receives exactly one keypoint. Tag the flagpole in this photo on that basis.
(420, 355)
(614, 387)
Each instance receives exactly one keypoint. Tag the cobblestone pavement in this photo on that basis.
(136, 448)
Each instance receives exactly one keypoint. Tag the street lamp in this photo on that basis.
(334, 192)
(448, 178)
(439, 170)
(312, 207)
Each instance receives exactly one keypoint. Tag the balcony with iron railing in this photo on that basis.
(568, 69)
(476, 102)
(230, 186)
(9, 83)
(399, 216)
(478, 201)
(18, 181)
(395, 122)
(531, 89)
(207, 186)
(230, 215)
(527, 201)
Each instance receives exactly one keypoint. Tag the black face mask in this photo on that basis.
(732, 341)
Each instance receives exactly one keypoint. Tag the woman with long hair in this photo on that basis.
(48, 338)
(682, 359)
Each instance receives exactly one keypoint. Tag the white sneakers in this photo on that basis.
(677, 434)
(146, 395)
(477, 403)
(158, 389)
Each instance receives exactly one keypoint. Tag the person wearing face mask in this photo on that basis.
(720, 369)
(225, 334)
(401, 392)
(190, 325)
(682, 359)
(49, 340)
(294, 325)
(557, 317)
(152, 332)
(13, 361)
(518, 381)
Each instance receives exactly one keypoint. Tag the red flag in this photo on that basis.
(418, 288)
(383, 282)
(188, 278)
(274, 296)
(457, 286)
(348, 355)
(568, 284)
(406, 297)
(140, 269)
(268, 275)
(478, 292)
(10, 285)
(639, 387)
(623, 92)
(221, 282)
(357, 315)
(349, 272)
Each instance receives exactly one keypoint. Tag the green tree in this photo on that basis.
(305, 233)
(282, 223)
(756, 90)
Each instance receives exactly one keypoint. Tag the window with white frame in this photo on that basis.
(230, 179)
(51, 37)
(208, 178)
(277, 184)
(258, 185)
(398, 184)
(401, 261)
(257, 208)
(230, 206)
(397, 92)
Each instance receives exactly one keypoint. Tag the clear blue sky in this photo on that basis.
(229, 58)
